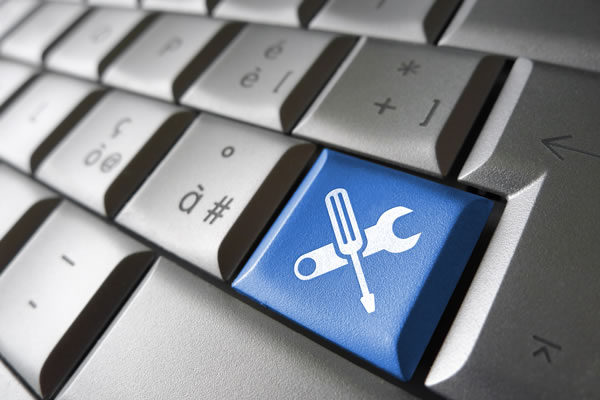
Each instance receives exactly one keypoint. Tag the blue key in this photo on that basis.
(367, 257)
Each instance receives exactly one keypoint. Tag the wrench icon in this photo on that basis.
(379, 237)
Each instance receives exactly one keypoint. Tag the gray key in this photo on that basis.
(13, 11)
(108, 154)
(40, 116)
(24, 205)
(202, 7)
(418, 21)
(279, 12)
(528, 327)
(413, 107)
(10, 387)
(12, 77)
(566, 33)
(268, 75)
(60, 291)
(169, 55)
(114, 3)
(88, 49)
(184, 339)
(29, 41)
(215, 191)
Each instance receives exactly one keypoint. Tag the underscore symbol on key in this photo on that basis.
(68, 260)
(544, 348)
(218, 209)
(386, 105)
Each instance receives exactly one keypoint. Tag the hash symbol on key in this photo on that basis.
(349, 241)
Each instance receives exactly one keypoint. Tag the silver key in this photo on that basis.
(413, 107)
(12, 77)
(169, 55)
(268, 75)
(14, 11)
(202, 7)
(46, 290)
(565, 33)
(114, 3)
(279, 12)
(10, 387)
(529, 322)
(215, 191)
(24, 205)
(88, 49)
(29, 41)
(182, 339)
(107, 155)
(418, 21)
(40, 116)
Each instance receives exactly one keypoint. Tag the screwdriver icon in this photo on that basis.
(348, 238)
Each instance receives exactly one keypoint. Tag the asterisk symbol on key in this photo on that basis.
(410, 67)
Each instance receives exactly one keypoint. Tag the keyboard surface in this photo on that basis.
(304, 199)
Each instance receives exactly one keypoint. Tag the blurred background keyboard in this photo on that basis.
(299, 199)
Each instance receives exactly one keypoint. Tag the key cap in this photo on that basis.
(10, 387)
(366, 257)
(218, 189)
(202, 7)
(114, 3)
(90, 47)
(418, 21)
(107, 155)
(565, 33)
(278, 12)
(30, 40)
(12, 77)
(169, 55)
(413, 107)
(231, 343)
(529, 321)
(24, 205)
(268, 75)
(61, 290)
(41, 116)
(14, 11)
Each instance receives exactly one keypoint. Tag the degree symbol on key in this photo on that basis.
(349, 241)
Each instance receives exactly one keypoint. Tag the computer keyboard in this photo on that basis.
(299, 199)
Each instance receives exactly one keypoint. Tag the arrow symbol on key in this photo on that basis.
(555, 143)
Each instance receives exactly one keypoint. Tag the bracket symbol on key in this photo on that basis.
(379, 237)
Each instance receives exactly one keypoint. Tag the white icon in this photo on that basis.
(349, 240)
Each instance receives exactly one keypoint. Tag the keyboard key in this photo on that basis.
(114, 3)
(566, 33)
(30, 40)
(278, 12)
(413, 107)
(10, 387)
(184, 6)
(418, 21)
(40, 116)
(92, 44)
(61, 290)
(169, 55)
(24, 205)
(13, 11)
(529, 321)
(366, 257)
(107, 155)
(218, 186)
(268, 75)
(181, 338)
(12, 77)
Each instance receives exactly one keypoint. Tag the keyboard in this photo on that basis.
(312, 199)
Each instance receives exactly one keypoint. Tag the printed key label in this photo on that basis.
(349, 241)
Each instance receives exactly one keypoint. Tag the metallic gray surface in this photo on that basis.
(528, 325)
(12, 12)
(10, 387)
(180, 338)
(409, 20)
(33, 37)
(12, 76)
(278, 12)
(183, 6)
(556, 31)
(86, 50)
(413, 107)
(216, 158)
